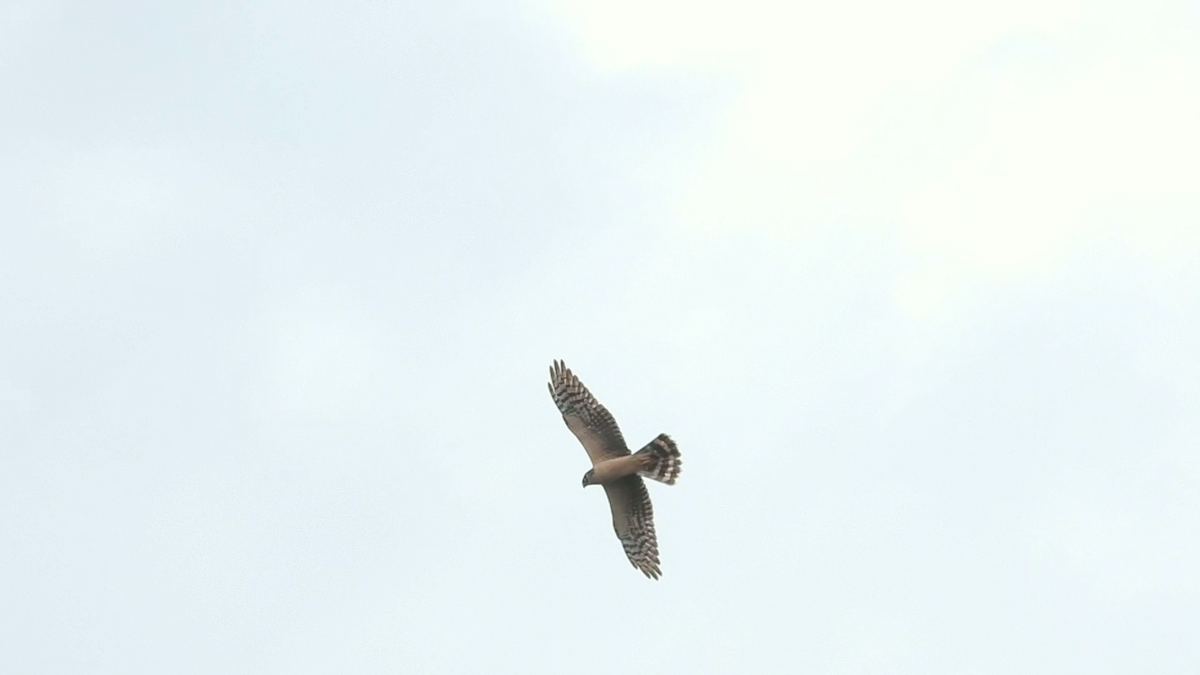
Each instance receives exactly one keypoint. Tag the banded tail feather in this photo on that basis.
(664, 462)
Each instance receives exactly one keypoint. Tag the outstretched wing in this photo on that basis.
(591, 423)
(633, 519)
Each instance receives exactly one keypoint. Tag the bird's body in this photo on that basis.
(611, 470)
(615, 468)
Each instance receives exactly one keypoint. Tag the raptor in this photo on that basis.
(615, 468)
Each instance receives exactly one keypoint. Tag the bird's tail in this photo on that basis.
(664, 462)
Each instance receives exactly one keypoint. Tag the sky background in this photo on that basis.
(915, 287)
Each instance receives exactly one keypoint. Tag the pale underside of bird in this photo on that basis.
(615, 468)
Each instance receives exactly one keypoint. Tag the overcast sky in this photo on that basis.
(915, 287)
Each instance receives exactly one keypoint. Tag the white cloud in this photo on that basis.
(1042, 162)
(886, 38)
(930, 121)
(818, 83)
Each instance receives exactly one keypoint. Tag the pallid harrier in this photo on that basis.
(613, 467)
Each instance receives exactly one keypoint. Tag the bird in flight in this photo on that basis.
(615, 468)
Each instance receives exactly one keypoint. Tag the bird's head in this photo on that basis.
(587, 477)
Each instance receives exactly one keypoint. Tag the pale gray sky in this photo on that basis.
(915, 288)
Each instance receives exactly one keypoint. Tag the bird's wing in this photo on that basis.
(633, 519)
(591, 423)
